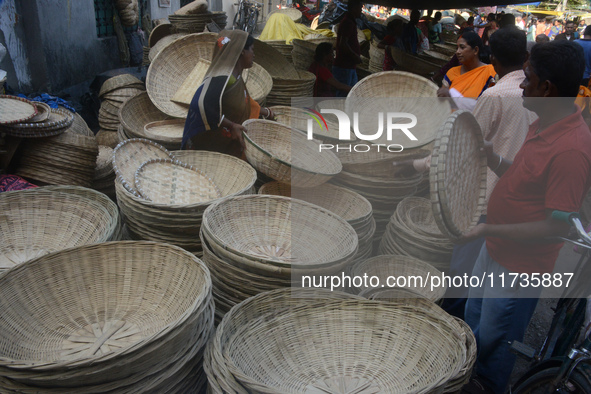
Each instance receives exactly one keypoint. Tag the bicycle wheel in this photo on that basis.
(540, 383)
(239, 19)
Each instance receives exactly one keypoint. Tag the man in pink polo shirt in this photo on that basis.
(552, 171)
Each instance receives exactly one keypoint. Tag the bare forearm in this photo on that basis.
(527, 232)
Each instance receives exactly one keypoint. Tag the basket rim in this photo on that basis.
(277, 262)
(138, 346)
(266, 153)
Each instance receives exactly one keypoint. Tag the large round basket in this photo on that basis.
(44, 220)
(279, 230)
(414, 64)
(268, 303)
(271, 60)
(285, 89)
(294, 351)
(406, 92)
(303, 51)
(298, 118)
(402, 268)
(286, 156)
(105, 317)
(172, 66)
(458, 174)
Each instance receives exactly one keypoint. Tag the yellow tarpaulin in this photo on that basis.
(281, 27)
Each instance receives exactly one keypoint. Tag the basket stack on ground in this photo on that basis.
(169, 208)
(462, 330)
(51, 218)
(413, 63)
(104, 174)
(412, 231)
(219, 377)
(282, 47)
(288, 82)
(193, 18)
(115, 317)
(65, 159)
(258, 243)
(371, 173)
(403, 268)
(376, 58)
(22, 118)
(272, 344)
(114, 92)
(347, 204)
(286, 155)
(303, 51)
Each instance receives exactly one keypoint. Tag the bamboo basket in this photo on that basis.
(287, 157)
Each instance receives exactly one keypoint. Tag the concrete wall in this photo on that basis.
(157, 12)
(53, 44)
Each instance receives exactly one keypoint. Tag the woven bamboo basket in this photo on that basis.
(297, 118)
(282, 47)
(47, 219)
(303, 51)
(413, 64)
(269, 303)
(179, 224)
(287, 156)
(172, 66)
(445, 49)
(119, 82)
(57, 123)
(385, 266)
(163, 43)
(258, 83)
(442, 59)
(129, 155)
(196, 23)
(272, 61)
(430, 346)
(406, 92)
(131, 336)
(458, 201)
(376, 58)
(159, 32)
(165, 131)
(66, 159)
(15, 109)
(263, 231)
(137, 112)
(172, 182)
(43, 111)
(294, 14)
(284, 90)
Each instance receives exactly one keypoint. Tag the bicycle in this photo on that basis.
(246, 18)
(560, 366)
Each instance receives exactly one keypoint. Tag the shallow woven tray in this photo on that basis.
(163, 43)
(57, 122)
(458, 174)
(279, 231)
(173, 182)
(172, 65)
(43, 112)
(130, 154)
(286, 156)
(15, 109)
(170, 131)
(413, 63)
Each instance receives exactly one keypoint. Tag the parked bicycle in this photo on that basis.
(247, 15)
(561, 366)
